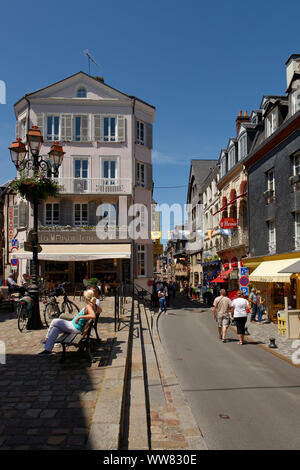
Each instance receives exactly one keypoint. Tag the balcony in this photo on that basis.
(94, 185)
(238, 237)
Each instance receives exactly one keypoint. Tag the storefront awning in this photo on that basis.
(79, 252)
(269, 271)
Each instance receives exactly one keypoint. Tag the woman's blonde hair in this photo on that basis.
(89, 296)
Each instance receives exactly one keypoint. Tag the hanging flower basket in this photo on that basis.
(36, 189)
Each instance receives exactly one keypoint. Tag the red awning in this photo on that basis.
(230, 202)
(218, 279)
(224, 274)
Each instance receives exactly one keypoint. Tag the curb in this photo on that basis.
(174, 397)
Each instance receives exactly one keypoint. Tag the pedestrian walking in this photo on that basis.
(253, 302)
(240, 308)
(260, 306)
(222, 311)
(162, 300)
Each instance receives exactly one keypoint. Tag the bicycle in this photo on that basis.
(52, 309)
(24, 311)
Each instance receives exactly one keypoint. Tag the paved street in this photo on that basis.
(45, 404)
(242, 397)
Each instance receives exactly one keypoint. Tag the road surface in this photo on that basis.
(242, 397)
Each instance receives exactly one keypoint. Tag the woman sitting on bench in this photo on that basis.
(58, 325)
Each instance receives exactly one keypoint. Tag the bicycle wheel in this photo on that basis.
(22, 316)
(51, 311)
(70, 307)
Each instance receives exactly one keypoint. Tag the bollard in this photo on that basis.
(272, 344)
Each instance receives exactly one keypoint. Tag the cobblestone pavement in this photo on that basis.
(262, 334)
(46, 404)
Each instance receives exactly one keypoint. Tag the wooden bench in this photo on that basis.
(81, 341)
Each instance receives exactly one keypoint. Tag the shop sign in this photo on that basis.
(10, 224)
(155, 235)
(228, 222)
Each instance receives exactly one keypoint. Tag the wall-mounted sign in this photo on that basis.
(156, 235)
(228, 222)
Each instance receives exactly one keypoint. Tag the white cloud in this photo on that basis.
(159, 158)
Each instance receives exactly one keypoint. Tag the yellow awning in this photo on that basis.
(79, 252)
(267, 271)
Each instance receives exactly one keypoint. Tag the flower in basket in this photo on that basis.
(36, 188)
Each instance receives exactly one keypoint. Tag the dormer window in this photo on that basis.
(223, 168)
(271, 123)
(81, 92)
(242, 147)
(296, 101)
(231, 157)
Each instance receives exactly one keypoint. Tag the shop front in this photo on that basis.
(274, 285)
(71, 263)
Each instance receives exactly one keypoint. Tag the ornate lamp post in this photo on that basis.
(32, 160)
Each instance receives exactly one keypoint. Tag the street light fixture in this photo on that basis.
(40, 168)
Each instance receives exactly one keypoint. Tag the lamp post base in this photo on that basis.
(34, 322)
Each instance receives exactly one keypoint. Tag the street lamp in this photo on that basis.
(32, 160)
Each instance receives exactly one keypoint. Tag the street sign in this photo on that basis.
(244, 281)
(14, 261)
(245, 290)
(244, 271)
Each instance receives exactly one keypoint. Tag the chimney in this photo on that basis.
(241, 119)
(292, 65)
(100, 79)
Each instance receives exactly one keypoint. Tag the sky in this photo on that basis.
(197, 62)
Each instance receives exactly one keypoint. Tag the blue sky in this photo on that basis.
(198, 62)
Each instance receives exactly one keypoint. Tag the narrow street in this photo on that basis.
(242, 397)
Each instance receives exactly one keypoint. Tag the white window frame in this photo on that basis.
(54, 137)
(81, 87)
(271, 123)
(140, 132)
(297, 230)
(52, 220)
(115, 159)
(141, 175)
(82, 222)
(109, 137)
(271, 180)
(271, 236)
(141, 253)
(87, 179)
(223, 166)
(231, 157)
(295, 101)
(82, 138)
(242, 150)
(23, 130)
(296, 164)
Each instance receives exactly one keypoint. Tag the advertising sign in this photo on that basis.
(228, 222)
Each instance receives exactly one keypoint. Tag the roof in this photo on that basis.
(200, 169)
(89, 76)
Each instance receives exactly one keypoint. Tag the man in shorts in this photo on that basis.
(222, 311)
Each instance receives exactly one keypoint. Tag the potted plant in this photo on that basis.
(35, 188)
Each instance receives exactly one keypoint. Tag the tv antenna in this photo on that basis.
(90, 59)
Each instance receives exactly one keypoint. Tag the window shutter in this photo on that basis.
(92, 213)
(97, 128)
(149, 135)
(41, 214)
(121, 128)
(84, 131)
(148, 177)
(23, 214)
(101, 129)
(18, 130)
(16, 217)
(40, 123)
(66, 127)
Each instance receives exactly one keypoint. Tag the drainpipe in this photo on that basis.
(28, 112)
(133, 182)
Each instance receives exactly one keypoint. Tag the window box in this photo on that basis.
(269, 193)
(294, 179)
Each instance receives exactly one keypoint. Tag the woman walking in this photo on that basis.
(58, 325)
(239, 309)
(260, 306)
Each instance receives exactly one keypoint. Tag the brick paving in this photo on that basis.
(46, 404)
